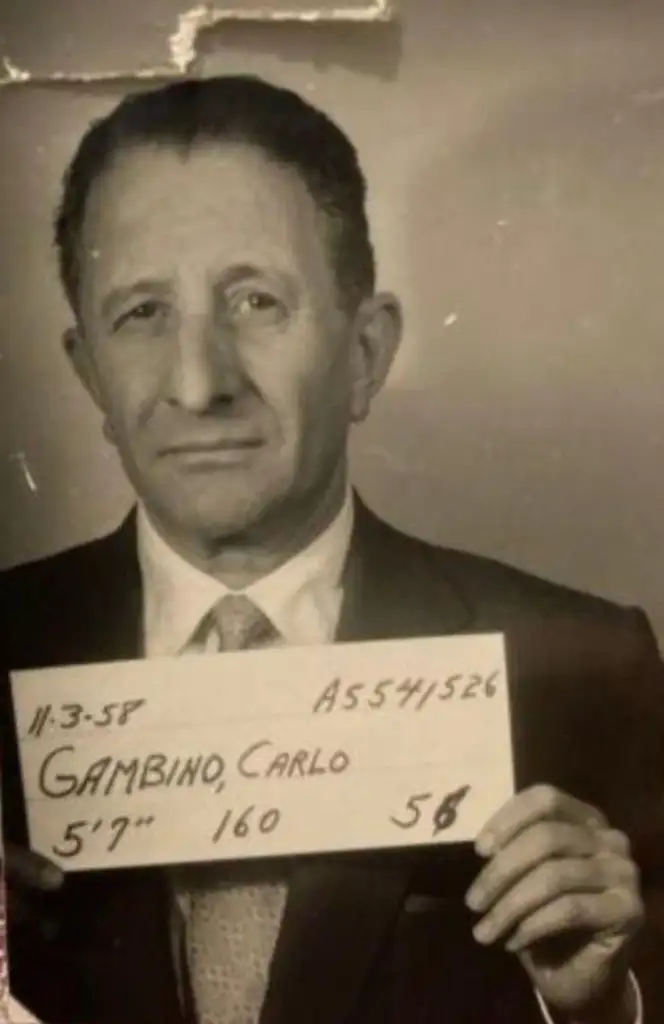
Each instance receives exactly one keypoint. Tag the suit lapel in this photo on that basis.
(391, 590)
(113, 617)
(132, 970)
(340, 909)
(337, 915)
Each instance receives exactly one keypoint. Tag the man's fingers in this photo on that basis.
(539, 803)
(616, 911)
(544, 841)
(615, 841)
(548, 883)
(30, 870)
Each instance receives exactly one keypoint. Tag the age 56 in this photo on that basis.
(444, 814)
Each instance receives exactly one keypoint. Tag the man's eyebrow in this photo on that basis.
(241, 271)
(123, 293)
(271, 274)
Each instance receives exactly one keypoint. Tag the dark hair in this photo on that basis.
(289, 130)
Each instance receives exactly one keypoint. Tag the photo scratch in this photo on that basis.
(20, 458)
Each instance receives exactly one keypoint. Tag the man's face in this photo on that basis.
(212, 337)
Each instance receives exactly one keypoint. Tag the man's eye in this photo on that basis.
(143, 311)
(256, 303)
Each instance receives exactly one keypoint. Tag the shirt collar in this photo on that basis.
(302, 597)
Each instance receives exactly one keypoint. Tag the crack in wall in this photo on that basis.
(184, 40)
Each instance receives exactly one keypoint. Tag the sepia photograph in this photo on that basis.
(330, 608)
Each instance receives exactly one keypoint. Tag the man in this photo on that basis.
(215, 252)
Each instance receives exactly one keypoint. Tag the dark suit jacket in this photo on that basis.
(587, 696)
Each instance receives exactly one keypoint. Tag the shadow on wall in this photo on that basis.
(531, 427)
(368, 49)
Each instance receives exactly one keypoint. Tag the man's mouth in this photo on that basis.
(210, 454)
(211, 447)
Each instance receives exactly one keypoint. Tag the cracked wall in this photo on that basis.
(514, 154)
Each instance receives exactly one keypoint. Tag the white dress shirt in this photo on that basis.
(302, 598)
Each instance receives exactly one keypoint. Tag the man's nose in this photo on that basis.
(206, 369)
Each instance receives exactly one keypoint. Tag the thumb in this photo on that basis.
(31, 870)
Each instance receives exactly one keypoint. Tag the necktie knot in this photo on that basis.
(240, 624)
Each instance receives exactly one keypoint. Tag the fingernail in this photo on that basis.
(483, 931)
(485, 844)
(475, 899)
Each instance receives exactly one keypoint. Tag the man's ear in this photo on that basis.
(79, 357)
(377, 335)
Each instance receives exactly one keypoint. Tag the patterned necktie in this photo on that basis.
(233, 924)
(240, 624)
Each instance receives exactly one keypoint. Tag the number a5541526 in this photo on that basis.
(414, 693)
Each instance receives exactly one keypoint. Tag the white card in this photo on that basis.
(261, 753)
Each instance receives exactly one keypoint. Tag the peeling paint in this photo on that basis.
(13, 75)
(20, 76)
(183, 41)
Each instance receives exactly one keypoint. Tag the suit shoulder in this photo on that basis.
(52, 578)
(485, 571)
(486, 581)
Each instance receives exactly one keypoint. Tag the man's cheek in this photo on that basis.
(284, 415)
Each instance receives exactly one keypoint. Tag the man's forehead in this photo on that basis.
(207, 172)
(162, 211)
(212, 193)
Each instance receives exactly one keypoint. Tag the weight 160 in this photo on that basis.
(242, 824)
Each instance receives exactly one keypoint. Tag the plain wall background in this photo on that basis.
(515, 153)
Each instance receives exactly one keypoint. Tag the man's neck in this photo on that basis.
(242, 559)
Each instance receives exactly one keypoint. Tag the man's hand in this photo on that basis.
(561, 891)
(27, 875)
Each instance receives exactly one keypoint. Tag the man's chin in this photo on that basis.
(212, 523)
